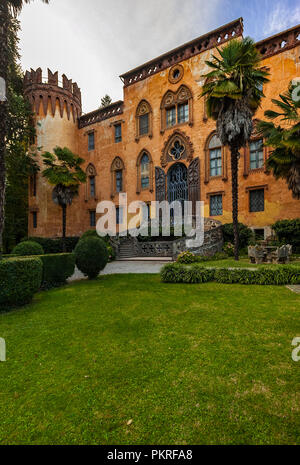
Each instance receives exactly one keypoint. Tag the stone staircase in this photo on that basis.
(126, 251)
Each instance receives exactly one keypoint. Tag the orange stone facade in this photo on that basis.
(162, 116)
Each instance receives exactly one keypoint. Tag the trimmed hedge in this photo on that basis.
(57, 268)
(20, 278)
(91, 256)
(54, 246)
(28, 248)
(264, 275)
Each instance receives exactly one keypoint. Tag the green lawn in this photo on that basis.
(188, 364)
(242, 263)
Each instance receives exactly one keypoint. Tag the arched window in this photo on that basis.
(143, 120)
(144, 171)
(176, 108)
(215, 158)
(90, 191)
(117, 176)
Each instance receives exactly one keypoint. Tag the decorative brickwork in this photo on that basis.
(279, 42)
(101, 114)
(42, 92)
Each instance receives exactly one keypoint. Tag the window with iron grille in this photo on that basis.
(216, 205)
(92, 218)
(257, 200)
(183, 112)
(171, 117)
(256, 154)
(118, 133)
(144, 124)
(119, 180)
(91, 141)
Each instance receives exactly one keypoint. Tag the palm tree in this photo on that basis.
(233, 92)
(7, 9)
(63, 171)
(284, 160)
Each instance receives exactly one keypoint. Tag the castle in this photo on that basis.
(158, 143)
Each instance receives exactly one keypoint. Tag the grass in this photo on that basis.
(202, 364)
(242, 263)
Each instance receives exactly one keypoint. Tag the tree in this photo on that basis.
(284, 159)
(233, 92)
(63, 171)
(19, 161)
(7, 9)
(105, 101)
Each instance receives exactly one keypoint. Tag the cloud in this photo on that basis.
(95, 41)
(282, 17)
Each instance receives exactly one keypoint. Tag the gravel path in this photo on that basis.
(124, 267)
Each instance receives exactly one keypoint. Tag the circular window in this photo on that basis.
(176, 73)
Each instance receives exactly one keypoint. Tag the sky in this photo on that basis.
(94, 41)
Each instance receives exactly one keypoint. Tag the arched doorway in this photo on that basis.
(177, 187)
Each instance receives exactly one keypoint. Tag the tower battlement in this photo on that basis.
(42, 91)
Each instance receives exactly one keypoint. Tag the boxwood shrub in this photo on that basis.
(91, 256)
(28, 248)
(20, 278)
(57, 268)
(264, 275)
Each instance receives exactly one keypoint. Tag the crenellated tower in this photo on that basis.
(56, 106)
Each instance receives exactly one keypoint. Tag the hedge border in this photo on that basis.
(264, 275)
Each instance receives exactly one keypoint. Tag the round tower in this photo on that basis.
(56, 106)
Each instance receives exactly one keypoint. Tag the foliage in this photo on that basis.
(245, 234)
(54, 246)
(264, 275)
(105, 101)
(188, 257)
(63, 171)
(106, 239)
(19, 156)
(57, 268)
(228, 249)
(28, 248)
(288, 232)
(284, 159)
(234, 86)
(20, 278)
(91, 256)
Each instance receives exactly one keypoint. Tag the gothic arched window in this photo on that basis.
(143, 120)
(144, 171)
(117, 176)
(215, 158)
(176, 108)
(91, 191)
